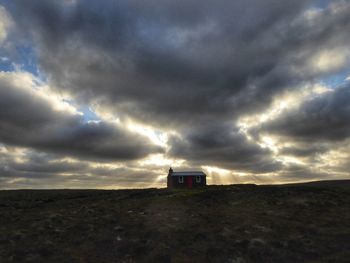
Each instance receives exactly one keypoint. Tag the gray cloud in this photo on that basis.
(214, 145)
(197, 59)
(28, 120)
(320, 119)
(305, 150)
(177, 64)
(30, 168)
(184, 66)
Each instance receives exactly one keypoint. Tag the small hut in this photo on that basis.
(189, 179)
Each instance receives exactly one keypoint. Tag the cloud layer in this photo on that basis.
(188, 73)
(30, 119)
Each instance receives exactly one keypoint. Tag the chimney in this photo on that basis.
(170, 171)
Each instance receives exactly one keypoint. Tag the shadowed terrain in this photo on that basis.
(234, 223)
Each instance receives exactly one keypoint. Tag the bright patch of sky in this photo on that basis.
(6, 64)
(336, 80)
(27, 59)
(88, 114)
(24, 59)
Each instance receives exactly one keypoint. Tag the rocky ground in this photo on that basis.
(236, 223)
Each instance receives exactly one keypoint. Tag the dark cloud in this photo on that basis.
(197, 59)
(305, 150)
(36, 163)
(29, 120)
(183, 66)
(224, 147)
(323, 118)
(175, 64)
(30, 168)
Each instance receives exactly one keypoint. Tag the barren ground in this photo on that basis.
(235, 223)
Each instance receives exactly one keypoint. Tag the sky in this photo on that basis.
(109, 94)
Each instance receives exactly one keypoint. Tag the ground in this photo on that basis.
(234, 223)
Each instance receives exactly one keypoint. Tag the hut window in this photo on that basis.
(198, 179)
(181, 179)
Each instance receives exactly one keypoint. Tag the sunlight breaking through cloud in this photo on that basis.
(111, 94)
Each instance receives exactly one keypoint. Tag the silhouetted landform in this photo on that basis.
(233, 223)
(324, 183)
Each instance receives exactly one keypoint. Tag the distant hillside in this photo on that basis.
(324, 183)
(234, 223)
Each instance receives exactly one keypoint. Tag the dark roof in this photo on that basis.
(190, 173)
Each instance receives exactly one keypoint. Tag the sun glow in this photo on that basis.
(270, 143)
(330, 59)
(286, 159)
(288, 101)
(161, 160)
(213, 169)
(6, 23)
(156, 136)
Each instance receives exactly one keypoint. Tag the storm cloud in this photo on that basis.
(183, 74)
(325, 117)
(217, 147)
(30, 120)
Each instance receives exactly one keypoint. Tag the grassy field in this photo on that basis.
(235, 223)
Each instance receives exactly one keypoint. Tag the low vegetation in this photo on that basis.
(235, 223)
